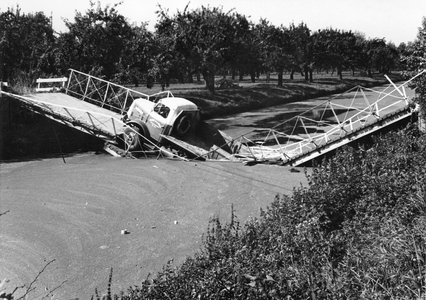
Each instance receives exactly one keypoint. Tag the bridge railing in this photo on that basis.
(304, 133)
(105, 94)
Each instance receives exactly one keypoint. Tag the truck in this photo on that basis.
(175, 124)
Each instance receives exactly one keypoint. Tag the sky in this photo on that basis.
(395, 20)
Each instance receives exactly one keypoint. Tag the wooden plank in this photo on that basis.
(49, 89)
(45, 80)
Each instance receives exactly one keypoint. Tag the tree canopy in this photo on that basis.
(26, 44)
(206, 41)
(96, 41)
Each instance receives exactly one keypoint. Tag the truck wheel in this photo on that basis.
(183, 125)
(132, 138)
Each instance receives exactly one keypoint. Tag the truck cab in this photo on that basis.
(151, 121)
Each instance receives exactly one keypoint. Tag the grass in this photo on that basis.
(264, 93)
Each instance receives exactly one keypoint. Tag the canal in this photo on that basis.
(280, 116)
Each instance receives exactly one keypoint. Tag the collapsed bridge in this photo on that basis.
(99, 108)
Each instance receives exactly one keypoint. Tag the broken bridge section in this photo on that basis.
(329, 125)
(73, 112)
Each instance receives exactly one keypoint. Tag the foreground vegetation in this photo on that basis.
(358, 231)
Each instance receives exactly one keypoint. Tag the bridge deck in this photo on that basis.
(71, 111)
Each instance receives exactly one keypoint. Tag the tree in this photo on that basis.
(260, 32)
(204, 39)
(95, 41)
(276, 48)
(416, 61)
(334, 49)
(136, 56)
(384, 56)
(246, 53)
(300, 49)
(379, 55)
(163, 61)
(26, 43)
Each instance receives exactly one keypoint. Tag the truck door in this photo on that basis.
(157, 120)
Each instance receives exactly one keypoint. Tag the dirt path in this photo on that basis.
(74, 213)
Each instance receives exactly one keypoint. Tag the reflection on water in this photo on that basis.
(281, 118)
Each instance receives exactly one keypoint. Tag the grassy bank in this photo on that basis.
(246, 96)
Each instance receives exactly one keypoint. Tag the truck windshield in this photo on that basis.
(162, 110)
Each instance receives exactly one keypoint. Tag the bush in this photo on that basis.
(358, 231)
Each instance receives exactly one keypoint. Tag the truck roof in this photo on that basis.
(179, 103)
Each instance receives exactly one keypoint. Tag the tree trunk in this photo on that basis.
(149, 82)
(135, 80)
(306, 71)
(292, 74)
(280, 77)
(209, 78)
(253, 76)
(190, 78)
(340, 73)
(311, 77)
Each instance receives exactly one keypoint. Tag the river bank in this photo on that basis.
(246, 96)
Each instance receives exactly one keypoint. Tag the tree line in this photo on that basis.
(205, 41)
